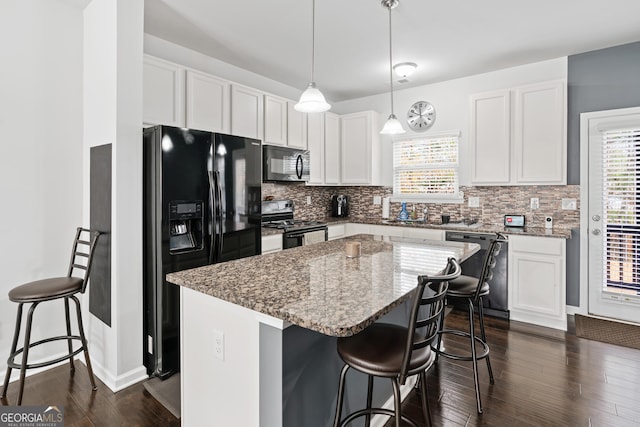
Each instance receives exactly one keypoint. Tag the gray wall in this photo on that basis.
(603, 79)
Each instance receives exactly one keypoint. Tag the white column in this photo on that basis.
(113, 33)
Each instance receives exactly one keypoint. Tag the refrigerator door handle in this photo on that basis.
(299, 171)
(221, 215)
(212, 195)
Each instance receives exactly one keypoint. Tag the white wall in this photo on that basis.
(40, 153)
(451, 100)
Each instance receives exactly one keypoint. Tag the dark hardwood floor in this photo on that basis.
(543, 377)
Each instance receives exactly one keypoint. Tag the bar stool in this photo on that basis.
(397, 352)
(472, 289)
(49, 290)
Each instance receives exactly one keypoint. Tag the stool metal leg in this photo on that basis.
(397, 401)
(484, 338)
(84, 343)
(343, 374)
(14, 345)
(426, 411)
(367, 418)
(25, 351)
(474, 358)
(69, 341)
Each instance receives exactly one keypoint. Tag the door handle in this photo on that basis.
(300, 162)
(596, 232)
(221, 217)
(212, 203)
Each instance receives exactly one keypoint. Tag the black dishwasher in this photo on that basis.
(496, 304)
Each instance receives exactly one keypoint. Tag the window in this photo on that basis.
(426, 168)
(621, 207)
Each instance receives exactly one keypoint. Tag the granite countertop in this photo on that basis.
(564, 233)
(317, 287)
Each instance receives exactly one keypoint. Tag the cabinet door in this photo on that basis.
(336, 231)
(423, 233)
(296, 127)
(352, 228)
(356, 148)
(540, 134)
(331, 148)
(386, 230)
(162, 93)
(272, 243)
(275, 120)
(208, 104)
(246, 112)
(537, 281)
(491, 138)
(315, 141)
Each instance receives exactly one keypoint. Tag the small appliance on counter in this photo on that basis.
(339, 206)
(515, 221)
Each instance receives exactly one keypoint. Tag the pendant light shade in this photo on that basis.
(312, 100)
(393, 125)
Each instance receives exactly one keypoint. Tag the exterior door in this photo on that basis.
(613, 211)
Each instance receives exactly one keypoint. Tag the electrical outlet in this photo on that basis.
(218, 344)
(569, 204)
(377, 200)
(308, 200)
(535, 203)
(474, 202)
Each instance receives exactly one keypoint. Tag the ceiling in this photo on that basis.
(446, 38)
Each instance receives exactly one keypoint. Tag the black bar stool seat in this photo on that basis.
(46, 289)
(51, 289)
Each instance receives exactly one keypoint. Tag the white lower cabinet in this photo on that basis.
(336, 231)
(386, 230)
(352, 228)
(271, 243)
(537, 280)
(423, 233)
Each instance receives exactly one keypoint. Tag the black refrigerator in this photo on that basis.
(202, 205)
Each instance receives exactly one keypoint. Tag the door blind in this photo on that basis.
(426, 166)
(621, 208)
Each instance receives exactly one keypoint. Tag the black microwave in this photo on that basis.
(284, 164)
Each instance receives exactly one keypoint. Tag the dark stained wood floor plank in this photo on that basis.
(544, 377)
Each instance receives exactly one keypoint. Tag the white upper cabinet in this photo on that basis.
(246, 112)
(296, 127)
(521, 142)
(163, 92)
(540, 140)
(491, 138)
(208, 102)
(331, 148)
(315, 142)
(360, 162)
(275, 120)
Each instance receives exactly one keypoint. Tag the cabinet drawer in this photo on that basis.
(272, 243)
(540, 245)
(336, 231)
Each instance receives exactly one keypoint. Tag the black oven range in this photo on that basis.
(278, 214)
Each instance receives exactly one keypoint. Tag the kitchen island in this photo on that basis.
(258, 334)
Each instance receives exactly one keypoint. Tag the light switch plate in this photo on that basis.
(569, 204)
(308, 200)
(377, 200)
(535, 203)
(474, 202)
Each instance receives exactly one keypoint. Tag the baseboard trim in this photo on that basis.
(120, 382)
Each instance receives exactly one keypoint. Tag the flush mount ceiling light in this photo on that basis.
(312, 100)
(405, 69)
(392, 126)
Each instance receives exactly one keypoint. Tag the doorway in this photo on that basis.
(611, 212)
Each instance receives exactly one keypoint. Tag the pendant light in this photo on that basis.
(392, 126)
(312, 100)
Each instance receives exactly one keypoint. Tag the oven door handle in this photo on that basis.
(295, 235)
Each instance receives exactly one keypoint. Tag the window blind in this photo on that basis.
(621, 207)
(426, 166)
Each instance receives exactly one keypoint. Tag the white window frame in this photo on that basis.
(458, 197)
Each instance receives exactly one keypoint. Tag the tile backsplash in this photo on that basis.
(495, 202)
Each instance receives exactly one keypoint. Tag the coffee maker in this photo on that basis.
(339, 205)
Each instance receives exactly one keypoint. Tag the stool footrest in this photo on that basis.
(12, 364)
(373, 411)
(464, 357)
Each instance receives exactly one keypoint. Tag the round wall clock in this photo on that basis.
(421, 116)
